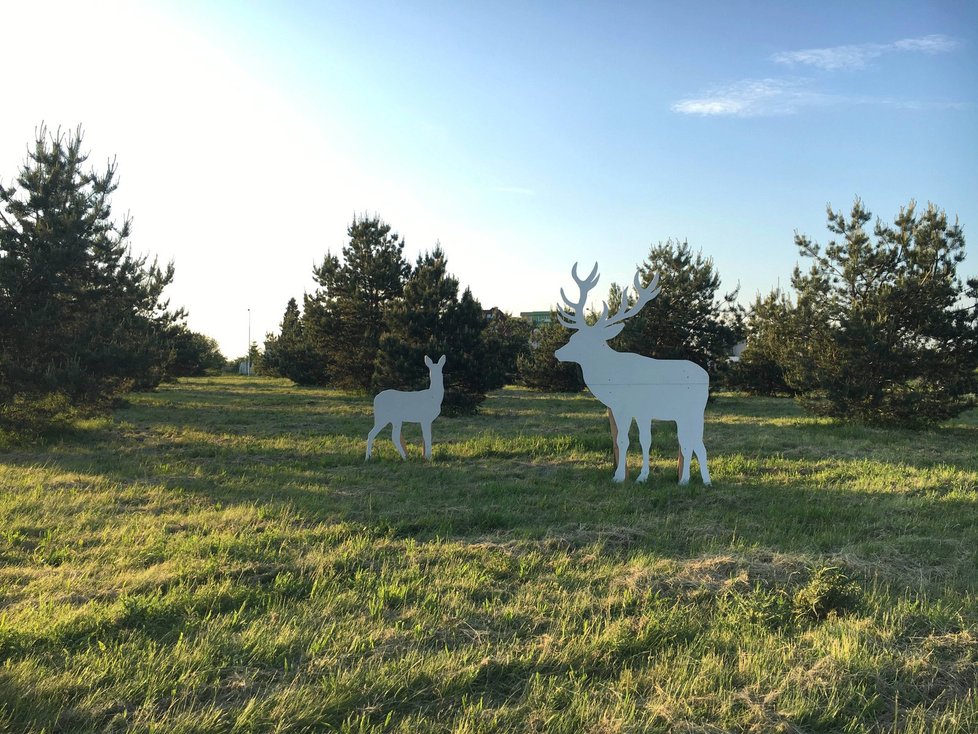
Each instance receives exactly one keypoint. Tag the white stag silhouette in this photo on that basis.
(401, 406)
(634, 387)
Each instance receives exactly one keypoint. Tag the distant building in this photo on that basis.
(494, 314)
(736, 350)
(537, 318)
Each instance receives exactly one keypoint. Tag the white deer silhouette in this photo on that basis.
(634, 387)
(400, 406)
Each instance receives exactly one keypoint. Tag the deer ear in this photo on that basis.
(427, 360)
(441, 362)
(610, 332)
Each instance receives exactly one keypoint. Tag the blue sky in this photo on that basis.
(522, 136)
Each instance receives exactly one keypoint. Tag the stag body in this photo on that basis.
(400, 406)
(634, 387)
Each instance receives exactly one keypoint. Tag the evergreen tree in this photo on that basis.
(758, 371)
(255, 358)
(79, 314)
(881, 331)
(687, 320)
(430, 319)
(506, 339)
(289, 353)
(469, 381)
(416, 326)
(344, 319)
(192, 354)
(539, 368)
(320, 331)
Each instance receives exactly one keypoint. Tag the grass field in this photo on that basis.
(218, 557)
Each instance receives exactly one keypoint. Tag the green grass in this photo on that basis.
(219, 558)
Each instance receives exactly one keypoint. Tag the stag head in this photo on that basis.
(587, 337)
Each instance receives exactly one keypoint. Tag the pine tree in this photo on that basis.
(192, 354)
(758, 371)
(289, 353)
(506, 339)
(430, 319)
(80, 315)
(881, 331)
(320, 331)
(539, 368)
(687, 320)
(344, 319)
(415, 326)
(468, 382)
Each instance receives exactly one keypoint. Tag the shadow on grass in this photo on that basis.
(533, 471)
(502, 474)
(538, 466)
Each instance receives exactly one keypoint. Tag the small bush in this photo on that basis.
(829, 592)
(767, 607)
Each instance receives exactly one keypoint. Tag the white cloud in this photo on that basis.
(769, 97)
(831, 59)
(785, 96)
(932, 44)
(719, 105)
(856, 56)
(754, 98)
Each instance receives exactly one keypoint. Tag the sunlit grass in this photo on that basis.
(221, 558)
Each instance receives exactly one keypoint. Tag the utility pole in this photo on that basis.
(249, 343)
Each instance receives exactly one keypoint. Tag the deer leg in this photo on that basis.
(614, 433)
(685, 457)
(426, 436)
(645, 437)
(372, 435)
(622, 445)
(398, 440)
(700, 452)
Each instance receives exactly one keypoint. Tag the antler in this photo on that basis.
(585, 286)
(643, 296)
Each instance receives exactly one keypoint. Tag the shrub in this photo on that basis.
(829, 592)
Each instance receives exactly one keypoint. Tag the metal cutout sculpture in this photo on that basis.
(632, 386)
(403, 406)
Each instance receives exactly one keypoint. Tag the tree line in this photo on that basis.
(880, 327)
(82, 319)
(374, 317)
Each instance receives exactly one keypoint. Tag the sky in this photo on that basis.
(523, 137)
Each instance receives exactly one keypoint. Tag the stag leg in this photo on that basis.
(645, 436)
(398, 440)
(614, 433)
(622, 446)
(700, 451)
(372, 435)
(426, 435)
(685, 460)
(685, 456)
